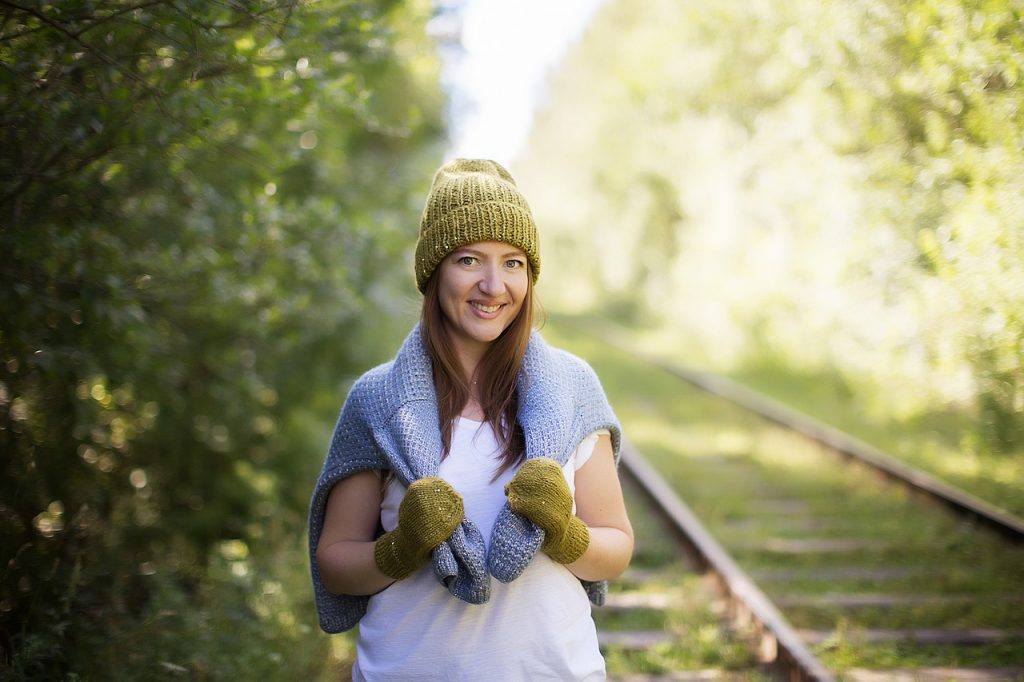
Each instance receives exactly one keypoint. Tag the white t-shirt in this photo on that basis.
(538, 627)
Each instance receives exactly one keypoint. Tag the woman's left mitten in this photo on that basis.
(540, 492)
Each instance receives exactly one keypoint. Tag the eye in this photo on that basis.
(515, 264)
(466, 260)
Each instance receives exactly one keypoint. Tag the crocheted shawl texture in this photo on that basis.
(390, 421)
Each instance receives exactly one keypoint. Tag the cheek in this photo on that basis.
(519, 291)
(450, 303)
(449, 287)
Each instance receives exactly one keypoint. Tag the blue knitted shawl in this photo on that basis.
(390, 421)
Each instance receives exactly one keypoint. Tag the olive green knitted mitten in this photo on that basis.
(539, 492)
(429, 513)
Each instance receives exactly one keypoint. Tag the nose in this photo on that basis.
(491, 283)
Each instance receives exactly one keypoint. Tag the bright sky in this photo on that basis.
(495, 84)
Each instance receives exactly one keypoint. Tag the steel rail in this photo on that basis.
(1001, 521)
(777, 643)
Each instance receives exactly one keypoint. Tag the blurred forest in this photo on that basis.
(827, 189)
(202, 206)
(200, 202)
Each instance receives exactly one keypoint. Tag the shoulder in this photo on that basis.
(367, 395)
(565, 363)
(570, 361)
(371, 382)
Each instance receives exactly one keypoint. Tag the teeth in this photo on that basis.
(486, 308)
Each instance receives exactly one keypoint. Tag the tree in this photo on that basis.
(195, 197)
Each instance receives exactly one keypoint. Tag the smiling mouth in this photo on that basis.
(485, 308)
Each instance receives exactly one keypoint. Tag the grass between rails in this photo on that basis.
(949, 445)
(756, 485)
(693, 612)
(846, 650)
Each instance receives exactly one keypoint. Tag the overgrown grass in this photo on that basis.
(757, 487)
(700, 639)
(848, 650)
(248, 616)
(950, 445)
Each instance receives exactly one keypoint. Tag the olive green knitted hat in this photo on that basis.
(473, 200)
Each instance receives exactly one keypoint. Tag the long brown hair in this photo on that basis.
(497, 375)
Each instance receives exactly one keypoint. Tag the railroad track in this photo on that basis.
(774, 649)
(961, 502)
(830, 571)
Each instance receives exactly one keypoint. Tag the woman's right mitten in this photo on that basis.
(429, 513)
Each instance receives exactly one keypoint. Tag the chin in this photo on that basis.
(488, 334)
(487, 338)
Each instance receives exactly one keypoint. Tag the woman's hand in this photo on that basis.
(597, 542)
(540, 492)
(429, 513)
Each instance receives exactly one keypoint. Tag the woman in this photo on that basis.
(480, 452)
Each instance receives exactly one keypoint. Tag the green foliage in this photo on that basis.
(196, 204)
(830, 184)
(246, 619)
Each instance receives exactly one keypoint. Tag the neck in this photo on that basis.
(468, 356)
(469, 359)
(469, 369)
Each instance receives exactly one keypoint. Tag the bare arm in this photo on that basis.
(600, 505)
(345, 552)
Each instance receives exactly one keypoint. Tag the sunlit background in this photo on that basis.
(497, 65)
(208, 216)
(795, 184)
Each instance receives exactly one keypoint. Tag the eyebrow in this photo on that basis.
(475, 252)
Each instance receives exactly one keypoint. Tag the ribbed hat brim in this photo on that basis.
(479, 222)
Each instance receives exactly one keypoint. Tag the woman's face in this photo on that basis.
(481, 290)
